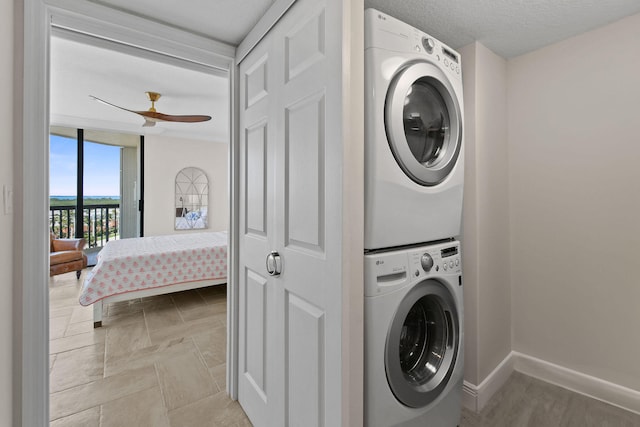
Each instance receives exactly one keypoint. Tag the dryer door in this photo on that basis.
(423, 122)
(422, 344)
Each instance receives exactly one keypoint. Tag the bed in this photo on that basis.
(147, 266)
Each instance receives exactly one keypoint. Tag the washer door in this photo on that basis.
(423, 123)
(422, 344)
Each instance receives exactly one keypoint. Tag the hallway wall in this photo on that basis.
(574, 153)
(485, 240)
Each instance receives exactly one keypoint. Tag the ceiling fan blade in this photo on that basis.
(152, 117)
(108, 103)
(155, 116)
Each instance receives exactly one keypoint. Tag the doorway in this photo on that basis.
(32, 352)
(138, 337)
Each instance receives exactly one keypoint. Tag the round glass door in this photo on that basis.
(422, 344)
(423, 123)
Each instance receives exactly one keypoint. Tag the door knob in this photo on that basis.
(274, 264)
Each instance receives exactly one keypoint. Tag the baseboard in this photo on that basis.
(597, 388)
(475, 397)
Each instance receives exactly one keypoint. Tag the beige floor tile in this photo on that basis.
(214, 294)
(76, 367)
(123, 307)
(55, 310)
(186, 329)
(52, 361)
(163, 316)
(157, 301)
(81, 328)
(87, 418)
(148, 356)
(81, 314)
(121, 318)
(216, 410)
(57, 326)
(184, 379)
(80, 398)
(77, 341)
(187, 300)
(142, 409)
(219, 375)
(125, 339)
(221, 318)
(200, 311)
(213, 346)
(70, 292)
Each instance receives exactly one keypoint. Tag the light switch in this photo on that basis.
(7, 199)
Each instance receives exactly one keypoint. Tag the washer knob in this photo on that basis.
(427, 262)
(428, 44)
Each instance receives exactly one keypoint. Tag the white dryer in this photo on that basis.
(413, 337)
(413, 135)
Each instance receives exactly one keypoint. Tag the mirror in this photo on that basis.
(192, 199)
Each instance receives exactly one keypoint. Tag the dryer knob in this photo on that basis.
(427, 262)
(428, 44)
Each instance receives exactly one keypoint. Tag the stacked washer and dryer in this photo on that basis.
(413, 210)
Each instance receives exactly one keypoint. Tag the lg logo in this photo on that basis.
(379, 262)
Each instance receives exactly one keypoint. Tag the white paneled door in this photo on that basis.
(290, 290)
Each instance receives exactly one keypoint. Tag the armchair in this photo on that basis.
(66, 255)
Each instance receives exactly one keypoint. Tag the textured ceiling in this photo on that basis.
(507, 27)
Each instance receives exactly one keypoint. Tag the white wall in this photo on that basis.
(486, 215)
(164, 157)
(574, 155)
(6, 221)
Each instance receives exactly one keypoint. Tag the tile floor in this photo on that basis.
(160, 362)
(528, 402)
(157, 361)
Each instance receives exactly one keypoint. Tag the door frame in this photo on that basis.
(31, 299)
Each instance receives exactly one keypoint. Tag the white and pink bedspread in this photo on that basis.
(130, 265)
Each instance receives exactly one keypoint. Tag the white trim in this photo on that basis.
(476, 397)
(101, 21)
(579, 382)
(90, 40)
(31, 401)
(234, 236)
(262, 27)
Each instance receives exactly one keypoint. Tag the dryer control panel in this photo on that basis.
(381, 28)
(387, 271)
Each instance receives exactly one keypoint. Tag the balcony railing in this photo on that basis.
(100, 223)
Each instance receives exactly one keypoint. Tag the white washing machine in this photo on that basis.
(413, 337)
(413, 135)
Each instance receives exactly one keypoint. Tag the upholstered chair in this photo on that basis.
(66, 255)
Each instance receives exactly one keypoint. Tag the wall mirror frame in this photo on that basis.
(191, 199)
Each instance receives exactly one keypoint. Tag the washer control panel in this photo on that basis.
(445, 259)
(387, 271)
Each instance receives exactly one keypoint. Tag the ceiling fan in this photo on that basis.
(151, 116)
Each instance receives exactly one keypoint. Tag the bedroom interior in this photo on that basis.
(185, 167)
